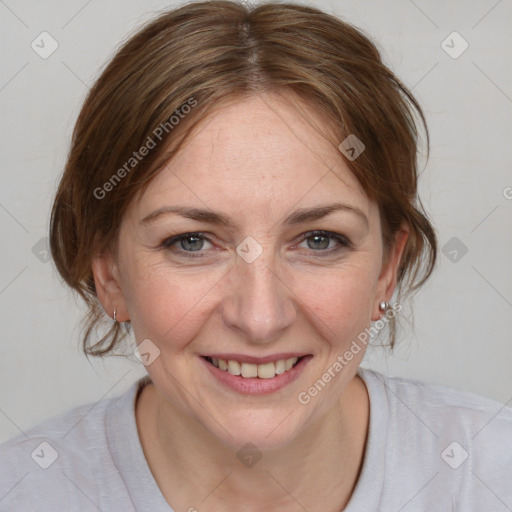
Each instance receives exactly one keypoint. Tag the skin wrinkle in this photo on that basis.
(285, 300)
(351, 88)
(256, 158)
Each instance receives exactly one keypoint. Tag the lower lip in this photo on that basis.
(255, 385)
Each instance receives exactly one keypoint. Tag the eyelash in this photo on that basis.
(344, 243)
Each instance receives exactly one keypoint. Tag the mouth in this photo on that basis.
(249, 375)
(251, 370)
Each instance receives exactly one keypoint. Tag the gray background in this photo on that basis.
(463, 316)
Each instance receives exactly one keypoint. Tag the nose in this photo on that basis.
(258, 301)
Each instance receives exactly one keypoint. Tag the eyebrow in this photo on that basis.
(298, 217)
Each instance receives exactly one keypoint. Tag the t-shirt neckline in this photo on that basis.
(128, 455)
(369, 486)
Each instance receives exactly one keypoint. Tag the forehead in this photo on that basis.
(265, 151)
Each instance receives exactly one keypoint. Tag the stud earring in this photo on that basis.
(384, 305)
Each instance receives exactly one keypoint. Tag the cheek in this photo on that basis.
(164, 303)
(339, 301)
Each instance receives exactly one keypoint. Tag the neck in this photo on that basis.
(318, 470)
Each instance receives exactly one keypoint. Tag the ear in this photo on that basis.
(108, 287)
(388, 277)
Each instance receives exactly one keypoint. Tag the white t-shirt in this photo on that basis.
(430, 448)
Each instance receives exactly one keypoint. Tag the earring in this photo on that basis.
(115, 312)
(383, 305)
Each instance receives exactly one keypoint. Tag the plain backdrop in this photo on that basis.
(463, 316)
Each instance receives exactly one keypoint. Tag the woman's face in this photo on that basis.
(261, 286)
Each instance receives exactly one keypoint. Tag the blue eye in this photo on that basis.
(190, 242)
(322, 239)
(318, 242)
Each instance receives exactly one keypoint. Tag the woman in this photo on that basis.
(241, 196)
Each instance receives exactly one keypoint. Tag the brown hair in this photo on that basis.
(200, 56)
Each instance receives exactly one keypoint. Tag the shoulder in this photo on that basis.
(438, 402)
(457, 441)
(58, 464)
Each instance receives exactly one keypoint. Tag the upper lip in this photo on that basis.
(243, 358)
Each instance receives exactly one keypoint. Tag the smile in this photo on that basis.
(250, 375)
(250, 370)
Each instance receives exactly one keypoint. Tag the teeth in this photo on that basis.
(266, 371)
(280, 366)
(289, 363)
(234, 367)
(249, 370)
